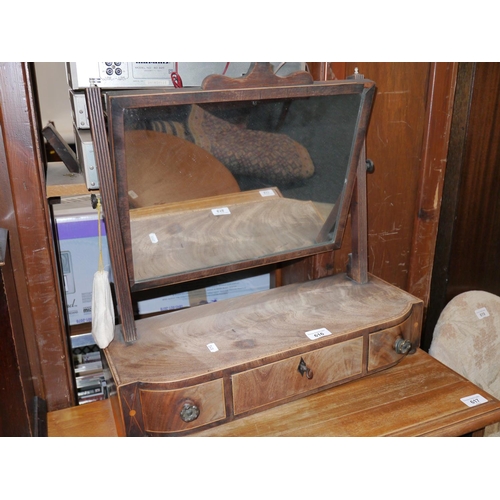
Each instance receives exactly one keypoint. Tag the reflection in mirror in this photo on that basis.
(213, 184)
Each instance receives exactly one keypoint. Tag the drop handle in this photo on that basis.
(303, 369)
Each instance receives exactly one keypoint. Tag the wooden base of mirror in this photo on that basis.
(204, 366)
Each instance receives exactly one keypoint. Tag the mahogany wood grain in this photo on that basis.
(469, 230)
(164, 407)
(434, 153)
(476, 223)
(25, 213)
(201, 203)
(109, 203)
(451, 199)
(381, 343)
(167, 169)
(264, 385)
(395, 143)
(118, 104)
(16, 388)
(259, 75)
(199, 239)
(393, 140)
(417, 397)
(255, 345)
(253, 329)
(358, 259)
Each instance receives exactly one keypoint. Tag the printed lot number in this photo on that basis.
(221, 211)
(482, 313)
(474, 400)
(267, 192)
(317, 334)
(212, 347)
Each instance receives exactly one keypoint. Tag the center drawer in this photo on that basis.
(283, 379)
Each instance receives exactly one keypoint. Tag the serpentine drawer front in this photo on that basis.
(207, 365)
(382, 344)
(182, 409)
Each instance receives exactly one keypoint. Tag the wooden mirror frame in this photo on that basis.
(259, 84)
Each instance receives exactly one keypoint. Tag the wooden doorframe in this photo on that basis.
(455, 161)
(24, 212)
(439, 111)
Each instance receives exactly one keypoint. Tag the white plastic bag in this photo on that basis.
(103, 317)
(103, 313)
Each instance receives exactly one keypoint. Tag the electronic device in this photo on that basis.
(86, 157)
(67, 269)
(79, 109)
(131, 75)
(119, 74)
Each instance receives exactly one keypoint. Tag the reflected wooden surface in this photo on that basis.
(168, 169)
(241, 230)
(418, 397)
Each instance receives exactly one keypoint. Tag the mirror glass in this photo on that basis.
(207, 185)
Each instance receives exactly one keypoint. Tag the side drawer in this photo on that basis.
(162, 410)
(281, 380)
(381, 352)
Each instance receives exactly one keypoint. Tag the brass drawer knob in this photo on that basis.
(189, 412)
(302, 368)
(402, 346)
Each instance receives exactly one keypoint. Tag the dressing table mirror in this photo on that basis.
(239, 174)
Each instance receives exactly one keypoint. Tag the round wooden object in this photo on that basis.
(162, 168)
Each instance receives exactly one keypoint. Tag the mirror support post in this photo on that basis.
(109, 203)
(357, 268)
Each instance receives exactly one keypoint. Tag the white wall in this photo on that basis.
(54, 97)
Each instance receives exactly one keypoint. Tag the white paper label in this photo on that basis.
(212, 347)
(221, 211)
(482, 313)
(133, 194)
(267, 192)
(153, 238)
(474, 400)
(316, 334)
